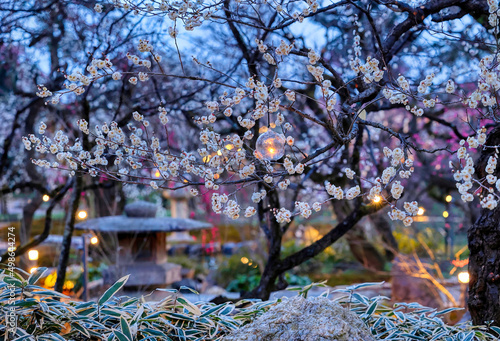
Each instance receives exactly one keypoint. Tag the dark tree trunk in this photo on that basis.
(484, 268)
(484, 246)
(27, 220)
(68, 233)
(274, 234)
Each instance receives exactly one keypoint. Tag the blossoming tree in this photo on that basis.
(301, 115)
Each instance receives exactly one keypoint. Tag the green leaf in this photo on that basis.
(79, 327)
(469, 337)
(213, 310)
(113, 290)
(50, 293)
(25, 337)
(189, 306)
(35, 276)
(445, 311)
(120, 336)
(125, 328)
(371, 309)
(189, 289)
(153, 332)
(363, 285)
(111, 312)
(14, 281)
(53, 337)
(227, 310)
(411, 336)
(495, 329)
(86, 311)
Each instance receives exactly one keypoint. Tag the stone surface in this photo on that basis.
(300, 319)
(141, 209)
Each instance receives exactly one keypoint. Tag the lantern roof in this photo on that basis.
(140, 217)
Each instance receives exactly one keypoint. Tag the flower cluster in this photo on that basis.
(465, 170)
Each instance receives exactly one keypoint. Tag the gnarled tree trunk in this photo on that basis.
(484, 246)
(484, 268)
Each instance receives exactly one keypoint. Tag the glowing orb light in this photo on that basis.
(82, 214)
(270, 146)
(33, 254)
(45, 198)
(463, 277)
(377, 199)
(421, 211)
(94, 240)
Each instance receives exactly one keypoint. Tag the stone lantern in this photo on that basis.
(140, 240)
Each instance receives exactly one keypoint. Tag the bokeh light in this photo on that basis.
(270, 146)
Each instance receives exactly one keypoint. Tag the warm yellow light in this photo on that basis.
(244, 260)
(463, 277)
(420, 211)
(216, 176)
(157, 174)
(45, 198)
(229, 146)
(377, 199)
(445, 214)
(68, 285)
(263, 129)
(270, 146)
(82, 214)
(94, 240)
(448, 198)
(33, 269)
(219, 152)
(207, 158)
(33, 254)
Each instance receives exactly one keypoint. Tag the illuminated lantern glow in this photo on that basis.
(45, 198)
(377, 199)
(463, 277)
(94, 240)
(33, 254)
(270, 146)
(445, 214)
(33, 269)
(421, 211)
(82, 214)
(448, 198)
